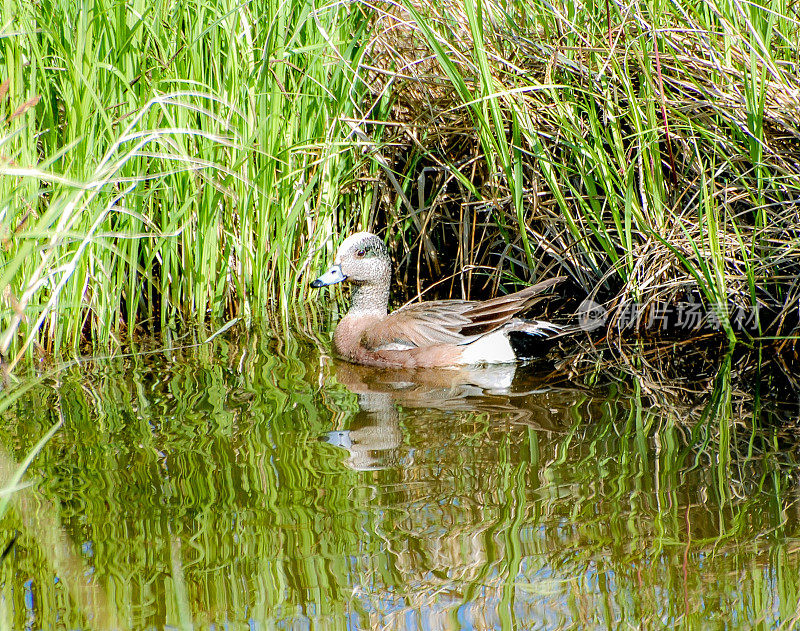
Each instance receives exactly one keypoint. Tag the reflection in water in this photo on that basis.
(194, 491)
(374, 438)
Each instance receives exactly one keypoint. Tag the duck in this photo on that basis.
(429, 334)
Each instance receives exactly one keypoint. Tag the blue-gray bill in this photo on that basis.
(331, 277)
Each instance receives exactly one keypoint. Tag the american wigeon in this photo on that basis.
(441, 333)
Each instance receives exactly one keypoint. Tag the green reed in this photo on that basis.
(169, 163)
(653, 131)
(182, 162)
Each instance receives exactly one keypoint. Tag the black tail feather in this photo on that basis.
(529, 345)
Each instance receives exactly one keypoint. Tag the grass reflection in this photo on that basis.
(195, 490)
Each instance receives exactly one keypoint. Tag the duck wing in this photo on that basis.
(438, 322)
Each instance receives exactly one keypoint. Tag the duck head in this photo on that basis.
(362, 259)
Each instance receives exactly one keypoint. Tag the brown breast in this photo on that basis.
(347, 339)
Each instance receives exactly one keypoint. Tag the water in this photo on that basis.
(246, 485)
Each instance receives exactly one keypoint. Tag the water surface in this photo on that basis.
(243, 484)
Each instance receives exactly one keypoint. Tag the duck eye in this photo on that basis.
(362, 252)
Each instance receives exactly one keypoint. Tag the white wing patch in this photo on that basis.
(396, 346)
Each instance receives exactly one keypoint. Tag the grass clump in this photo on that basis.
(651, 151)
(182, 161)
(168, 163)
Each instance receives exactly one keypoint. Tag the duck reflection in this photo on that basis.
(374, 438)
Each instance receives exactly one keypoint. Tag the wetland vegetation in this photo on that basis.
(175, 162)
(174, 172)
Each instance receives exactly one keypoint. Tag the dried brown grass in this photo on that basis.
(646, 176)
